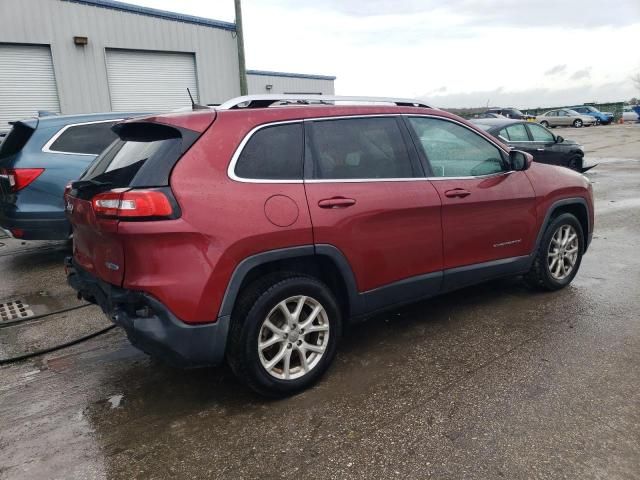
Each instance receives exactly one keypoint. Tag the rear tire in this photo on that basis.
(559, 254)
(278, 354)
(577, 123)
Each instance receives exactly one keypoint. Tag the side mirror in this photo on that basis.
(559, 139)
(520, 160)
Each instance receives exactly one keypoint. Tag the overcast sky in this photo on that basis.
(454, 53)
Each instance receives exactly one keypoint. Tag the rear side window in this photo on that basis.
(359, 148)
(273, 153)
(517, 133)
(143, 156)
(15, 140)
(88, 139)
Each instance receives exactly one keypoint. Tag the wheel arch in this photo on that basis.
(324, 262)
(577, 207)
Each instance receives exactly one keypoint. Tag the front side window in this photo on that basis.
(359, 148)
(456, 151)
(88, 139)
(517, 133)
(273, 153)
(541, 134)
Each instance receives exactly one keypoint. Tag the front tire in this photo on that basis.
(284, 334)
(544, 123)
(575, 163)
(577, 123)
(559, 254)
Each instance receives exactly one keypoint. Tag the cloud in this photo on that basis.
(567, 13)
(437, 91)
(580, 74)
(558, 69)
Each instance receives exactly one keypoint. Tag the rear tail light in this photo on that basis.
(133, 204)
(20, 177)
(17, 232)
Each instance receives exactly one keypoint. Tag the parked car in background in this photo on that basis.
(536, 140)
(604, 118)
(512, 113)
(254, 234)
(563, 117)
(38, 157)
(488, 115)
(631, 113)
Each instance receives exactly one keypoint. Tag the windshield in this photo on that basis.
(573, 112)
(484, 126)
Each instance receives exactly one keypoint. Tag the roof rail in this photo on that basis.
(266, 100)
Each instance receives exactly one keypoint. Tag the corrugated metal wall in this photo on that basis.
(257, 84)
(81, 72)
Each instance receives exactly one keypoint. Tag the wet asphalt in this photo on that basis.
(490, 382)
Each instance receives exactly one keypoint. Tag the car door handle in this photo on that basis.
(336, 202)
(540, 149)
(457, 193)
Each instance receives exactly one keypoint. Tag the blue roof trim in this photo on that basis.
(153, 12)
(290, 75)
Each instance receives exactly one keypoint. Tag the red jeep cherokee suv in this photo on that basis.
(255, 230)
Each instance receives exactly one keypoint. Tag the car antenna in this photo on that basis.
(194, 105)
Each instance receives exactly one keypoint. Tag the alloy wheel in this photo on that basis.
(563, 252)
(293, 337)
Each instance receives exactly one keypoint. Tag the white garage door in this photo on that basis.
(27, 82)
(150, 81)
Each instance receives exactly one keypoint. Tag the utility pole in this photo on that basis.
(240, 39)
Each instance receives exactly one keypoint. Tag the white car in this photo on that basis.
(629, 114)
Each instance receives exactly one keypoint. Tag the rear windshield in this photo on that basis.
(15, 140)
(142, 156)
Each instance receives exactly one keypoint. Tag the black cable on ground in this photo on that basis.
(11, 323)
(4, 361)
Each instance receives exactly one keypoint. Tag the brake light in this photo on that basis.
(20, 177)
(132, 204)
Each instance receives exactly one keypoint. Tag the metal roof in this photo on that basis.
(154, 12)
(291, 75)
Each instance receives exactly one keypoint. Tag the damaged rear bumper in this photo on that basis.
(149, 325)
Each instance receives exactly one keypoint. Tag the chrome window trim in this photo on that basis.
(47, 146)
(231, 169)
(236, 154)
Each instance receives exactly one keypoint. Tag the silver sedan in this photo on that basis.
(563, 117)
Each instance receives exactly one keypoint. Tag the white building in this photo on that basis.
(79, 56)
